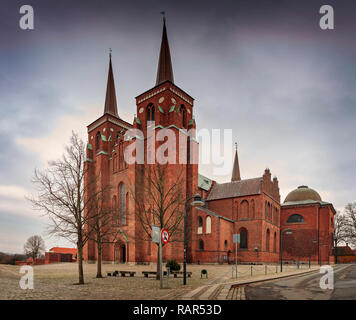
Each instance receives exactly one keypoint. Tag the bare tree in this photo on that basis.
(340, 234)
(159, 201)
(350, 223)
(64, 198)
(34, 247)
(101, 225)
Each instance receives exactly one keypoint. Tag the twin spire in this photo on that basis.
(164, 70)
(110, 100)
(164, 73)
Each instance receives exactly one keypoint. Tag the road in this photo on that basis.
(307, 287)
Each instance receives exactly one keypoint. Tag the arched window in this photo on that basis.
(266, 210)
(122, 203)
(225, 244)
(184, 116)
(153, 113)
(268, 234)
(127, 202)
(295, 218)
(114, 208)
(208, 224)
(275, 242)
(244, 210)
(121, 156)
(97, 141)
(115, 162)
(200, 225)
(150, 112)
(201, 245)
(243, 238)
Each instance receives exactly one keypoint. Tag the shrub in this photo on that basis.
(173, 265)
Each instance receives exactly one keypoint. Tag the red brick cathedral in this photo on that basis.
(249, 207)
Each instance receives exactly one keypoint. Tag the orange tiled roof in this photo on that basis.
(64, 250)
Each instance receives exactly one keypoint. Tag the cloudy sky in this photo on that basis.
(264, 69)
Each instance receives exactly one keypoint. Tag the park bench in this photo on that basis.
(176, 273)
(146, 273)
(131, 273)
(112, 274)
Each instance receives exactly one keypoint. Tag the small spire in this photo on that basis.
(236, 169)
(164, 70)
(110, 100)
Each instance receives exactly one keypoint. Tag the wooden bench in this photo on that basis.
(176, 273)
(131, 273)
(112, 274)
(146, 273)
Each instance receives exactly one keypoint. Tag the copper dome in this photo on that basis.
(301, 194)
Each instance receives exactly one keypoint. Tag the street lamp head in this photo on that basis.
(198, 202)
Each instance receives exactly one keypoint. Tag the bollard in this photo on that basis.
(265, 269)
(251, 271)
(168, 271)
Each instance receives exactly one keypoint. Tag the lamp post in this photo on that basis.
(288, 231)
(315, 242)
(196, 203)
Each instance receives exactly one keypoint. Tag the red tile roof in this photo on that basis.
(235, 189)
(64, 250)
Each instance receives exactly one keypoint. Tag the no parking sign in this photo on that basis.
(165, 236)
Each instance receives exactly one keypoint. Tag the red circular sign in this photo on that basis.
(165, 236)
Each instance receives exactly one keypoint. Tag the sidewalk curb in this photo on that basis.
(233, 285)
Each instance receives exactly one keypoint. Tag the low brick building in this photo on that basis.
(58, 254)
(344, 254)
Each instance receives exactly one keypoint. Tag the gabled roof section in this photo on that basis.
(235, 189)
(212, 213)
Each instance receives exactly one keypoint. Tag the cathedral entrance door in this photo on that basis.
(117, 255)
(123, 253)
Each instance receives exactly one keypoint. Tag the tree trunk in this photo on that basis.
(80, 263)
(158, 274)
(98, 270)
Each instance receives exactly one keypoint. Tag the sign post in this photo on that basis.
(236, 240)
(157, 238)
(160, 264)
(164, 237)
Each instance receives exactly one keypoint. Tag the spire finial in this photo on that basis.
(110, 52)
(163, 13)
(236, 146)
